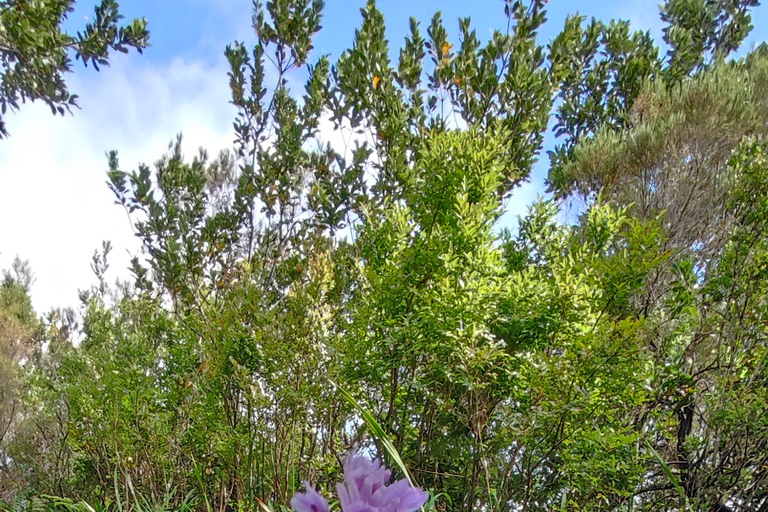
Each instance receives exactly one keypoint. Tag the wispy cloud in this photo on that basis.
(54, 204)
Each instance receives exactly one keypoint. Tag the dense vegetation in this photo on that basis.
(616, 364)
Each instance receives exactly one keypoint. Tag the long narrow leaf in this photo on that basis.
(377, 430)
(673, 478)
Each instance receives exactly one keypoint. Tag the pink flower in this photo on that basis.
(309, 501)
(365, 489)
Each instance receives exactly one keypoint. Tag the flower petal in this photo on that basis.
(310, 501)
(406, 497)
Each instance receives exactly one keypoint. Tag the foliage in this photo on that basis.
(691, 153)
(18, 327)
(610, 65)
(35, 51)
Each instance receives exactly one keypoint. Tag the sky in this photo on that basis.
(55, 207)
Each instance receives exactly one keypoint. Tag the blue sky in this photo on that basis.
(54, 204)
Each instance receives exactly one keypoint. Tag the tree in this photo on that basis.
(691, 153)
(35, 51)
(18, 328)
(611, 65)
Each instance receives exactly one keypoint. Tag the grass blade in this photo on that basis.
(673, 478)
(378, 431)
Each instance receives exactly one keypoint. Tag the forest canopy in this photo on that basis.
(294, 301)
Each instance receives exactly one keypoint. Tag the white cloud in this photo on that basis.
(642, 15)
(55, 207)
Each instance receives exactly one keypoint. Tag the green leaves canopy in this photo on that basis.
(35, 52)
